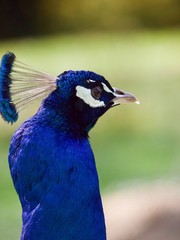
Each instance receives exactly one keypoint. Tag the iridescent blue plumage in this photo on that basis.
(55, 176)
(51, 161)
(7, 108)
(54, 172)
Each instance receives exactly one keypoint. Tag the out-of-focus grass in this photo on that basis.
(130, 142)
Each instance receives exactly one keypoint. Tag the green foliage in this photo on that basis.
(131, 142)
(19, 18)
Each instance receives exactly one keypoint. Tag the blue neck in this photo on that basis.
(59, 187)
(60, 114)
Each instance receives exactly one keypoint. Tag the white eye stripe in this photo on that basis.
(85, 94)
(90, 80)
(104, 85)
(106, 88)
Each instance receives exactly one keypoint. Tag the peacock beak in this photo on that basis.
(121, 97)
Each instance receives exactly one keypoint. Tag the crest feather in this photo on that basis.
(21, 85)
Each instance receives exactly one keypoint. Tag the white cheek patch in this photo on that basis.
(85, 94)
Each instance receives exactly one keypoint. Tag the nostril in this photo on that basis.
(119, 92)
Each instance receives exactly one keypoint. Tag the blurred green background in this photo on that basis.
(136, 46)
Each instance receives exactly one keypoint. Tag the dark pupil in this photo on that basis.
(96, 92)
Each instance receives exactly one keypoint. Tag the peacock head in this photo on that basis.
(80, 97)
(87, 96)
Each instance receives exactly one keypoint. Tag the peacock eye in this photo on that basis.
(96, 92)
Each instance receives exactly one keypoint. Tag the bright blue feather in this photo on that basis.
(7, 108)
(55, 176)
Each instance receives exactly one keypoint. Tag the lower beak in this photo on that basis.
(121, 97)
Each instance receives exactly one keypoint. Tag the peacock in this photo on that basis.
(50, 158)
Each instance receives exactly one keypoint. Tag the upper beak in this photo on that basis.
(121, 97)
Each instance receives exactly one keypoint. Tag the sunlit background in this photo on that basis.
(135, 44)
